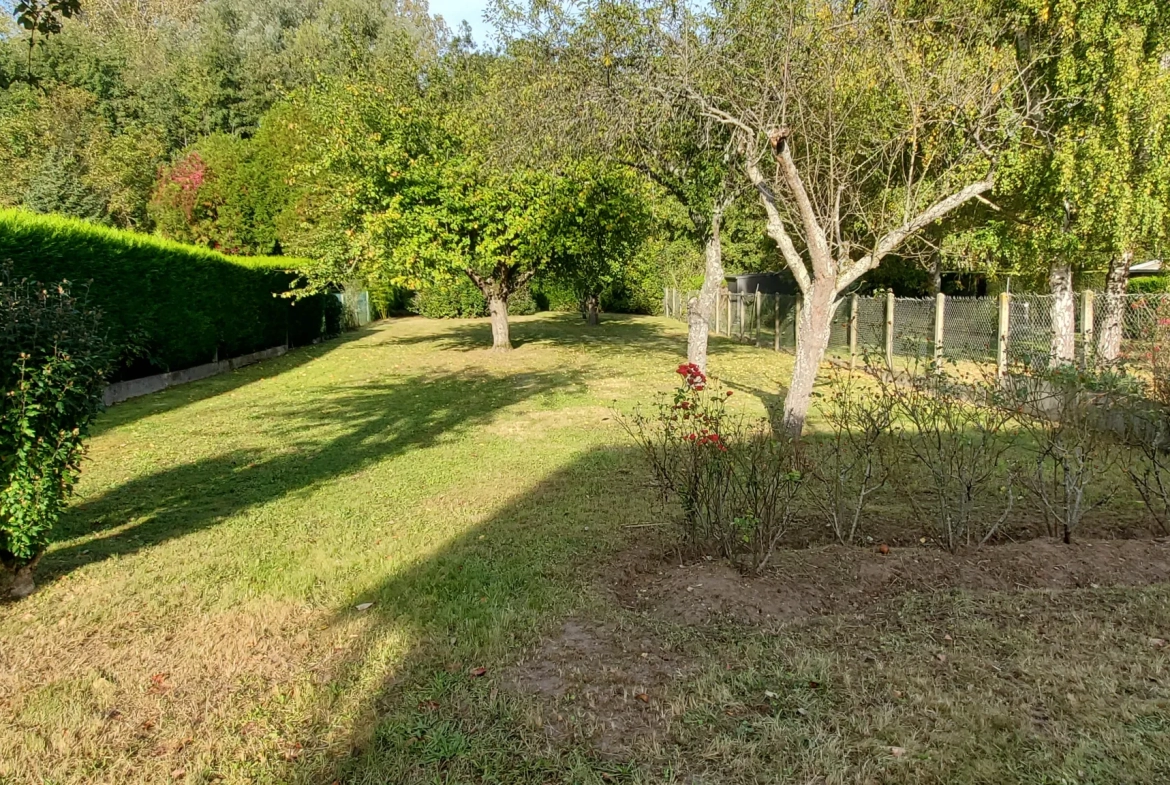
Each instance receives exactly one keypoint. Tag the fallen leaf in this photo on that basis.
(643, 697)
(898, 694)
(428, 706)
(158, 682)
(147, 724)
(365, 606)
(477, 672)
(178, 774)
(941, 657)
(897, 752)
(770, 694)
(883, 549)
(802, 712)
(812, 685)
(1158, 643)
(947, 637)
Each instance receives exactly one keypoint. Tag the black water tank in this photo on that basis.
(765, 283)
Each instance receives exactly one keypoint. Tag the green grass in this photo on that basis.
(197, 621)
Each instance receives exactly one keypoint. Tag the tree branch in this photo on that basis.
(775, 225)
(484, 284)
(818, 245)
(893, 239)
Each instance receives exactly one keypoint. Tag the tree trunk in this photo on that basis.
(498, 309)
(1113, 309)
(701, 313)
(936, 274)
(1064, 313)
(592, 310)
(22, 584)
(812, 338)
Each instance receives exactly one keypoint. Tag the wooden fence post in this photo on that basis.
(940, 305)
(759, 311)
(776, 318)
(1087, 327)
(741, 314)
(854, 311)
(729, 321)
(890, 331)
(1003, 334)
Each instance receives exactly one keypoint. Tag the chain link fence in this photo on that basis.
(1017, 329)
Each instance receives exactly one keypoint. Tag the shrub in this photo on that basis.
(1069, 414)
(958, 432)
(53, 359)
(552, 295)
(522, 303)
(459, 299)
(462, 299)
(1148, 467)
(166, 306)
(1150, 284)
(735, 484)
(854, 460)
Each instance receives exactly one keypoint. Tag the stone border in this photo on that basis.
(122, 391)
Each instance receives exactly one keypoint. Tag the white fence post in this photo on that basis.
(890, 331)
(1087, 327)
(758, 314)
(940, 304)
(776, 318)
(854, 311)
(1003, 334)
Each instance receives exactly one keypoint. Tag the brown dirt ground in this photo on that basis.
(602, 685)
(606, 686)
(842, 579)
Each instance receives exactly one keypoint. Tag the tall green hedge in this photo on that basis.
(168, 306)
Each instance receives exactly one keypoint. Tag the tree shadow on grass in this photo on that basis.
(477, 602)
(376, 421)
(174, 398)
(616, 331)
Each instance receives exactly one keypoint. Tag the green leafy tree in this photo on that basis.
(463, 218)
(53, 361)
(1087, 185)
(598, 223)
(225, 193)
(598, 79)
(43, 18)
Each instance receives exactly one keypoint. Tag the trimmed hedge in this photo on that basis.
(462, 299)
(1149, 284)
(168, 306)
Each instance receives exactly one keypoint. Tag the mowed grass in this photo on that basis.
(198, 621)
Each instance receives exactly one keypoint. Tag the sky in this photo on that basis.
(455, 11)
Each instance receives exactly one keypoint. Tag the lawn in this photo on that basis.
(398, 557)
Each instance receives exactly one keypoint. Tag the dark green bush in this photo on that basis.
(459, 299)
(166, 306)
(553, 295)
(1149, 284)
(522, 303)
(53, 360)
(334, 313)
(462, 299)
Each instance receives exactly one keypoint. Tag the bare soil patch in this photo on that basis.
(840, 579)
(603, 686)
